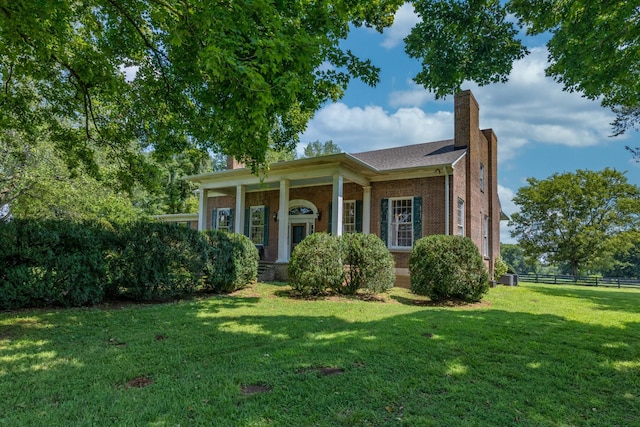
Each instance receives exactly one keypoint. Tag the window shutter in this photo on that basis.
(384, 221)
(330, 216)
(214, 213)
(247, 219)
(231, 219)
(359, 216)
(265, 237)
(417, 218)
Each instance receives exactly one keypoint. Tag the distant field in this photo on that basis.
(532, 355)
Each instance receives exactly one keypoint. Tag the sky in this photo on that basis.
(541, 129)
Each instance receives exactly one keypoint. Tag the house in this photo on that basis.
(399, 194)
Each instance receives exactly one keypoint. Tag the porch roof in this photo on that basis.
(427, 159)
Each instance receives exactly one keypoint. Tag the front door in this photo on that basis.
(298, 233)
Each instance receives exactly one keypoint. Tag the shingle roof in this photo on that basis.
(411, 156)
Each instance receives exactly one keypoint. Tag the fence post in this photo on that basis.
(596, 281)
(618, 283)
(555, 280)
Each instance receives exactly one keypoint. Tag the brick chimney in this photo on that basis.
(232, 163)
(466, 116)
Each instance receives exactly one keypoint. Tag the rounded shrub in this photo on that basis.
(368, 264)
(315, 264)
(154, 260)
(447, 267)
(232, 261)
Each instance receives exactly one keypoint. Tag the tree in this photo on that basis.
(594, 46)
(236, 77)
(575, 217)
(242, 77)
(514, 256)
(626, 256)
(317, 149)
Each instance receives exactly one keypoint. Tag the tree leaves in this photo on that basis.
(458, 41)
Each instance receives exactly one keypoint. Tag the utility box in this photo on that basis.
(508, 279)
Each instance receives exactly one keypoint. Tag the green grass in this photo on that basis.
(532, 355)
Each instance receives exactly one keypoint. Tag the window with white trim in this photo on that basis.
(460, 217)
(482, 177)
(223, 220)
(485, 237)
(401, 223)
(349, 216)
(256, 224)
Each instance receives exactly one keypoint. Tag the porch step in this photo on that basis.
(266, 271)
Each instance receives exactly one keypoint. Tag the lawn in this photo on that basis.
(533, 355)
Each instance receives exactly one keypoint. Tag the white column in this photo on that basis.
(283, 222)
(366, 209)
(337, 205)
(202, 209)
(238, 223)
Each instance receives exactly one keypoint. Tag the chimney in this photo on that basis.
(232, 163)
(466, 119)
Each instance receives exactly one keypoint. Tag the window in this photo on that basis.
(485, 237)
(401, 223)
(460, 217)
(256, 224)
(223, 220)
(482, 177)
(349, 217)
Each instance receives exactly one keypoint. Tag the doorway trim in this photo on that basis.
(308, 219)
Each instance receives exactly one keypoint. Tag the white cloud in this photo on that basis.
(405, 19)
(356, 129)
(530, 108)
(415, 96)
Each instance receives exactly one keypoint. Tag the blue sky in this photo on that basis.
(541, 129)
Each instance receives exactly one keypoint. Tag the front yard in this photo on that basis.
(529, 355)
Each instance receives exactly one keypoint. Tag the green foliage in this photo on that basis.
(591, 47)
(344, 264)
(514, 256)
(459, 41)
(447, 267)
(500, 268)
(625, 257)
(316, 264)
(63, 62)
(50, 262)
(574, 217)
(368, 264)
(232, 261)
(155, 260)
(317, 149)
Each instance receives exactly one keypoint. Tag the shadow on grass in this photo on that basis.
(605, 299)
(419, 366)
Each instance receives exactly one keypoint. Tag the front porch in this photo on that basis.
(278, 210)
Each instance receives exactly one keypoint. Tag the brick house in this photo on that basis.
(400, 194)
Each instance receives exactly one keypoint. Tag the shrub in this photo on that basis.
(500, 268)
(232, 261)
(447, 267)
(315, 264)
(50, 262)
(368, 264)
(153, 260)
